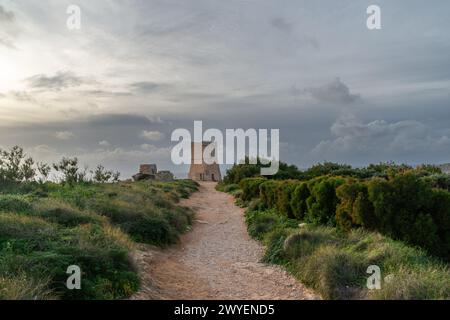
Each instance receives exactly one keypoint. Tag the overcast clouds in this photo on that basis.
(113, 91)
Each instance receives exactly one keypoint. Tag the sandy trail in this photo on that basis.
(216, 260)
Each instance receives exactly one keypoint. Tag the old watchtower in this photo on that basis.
(201, 171)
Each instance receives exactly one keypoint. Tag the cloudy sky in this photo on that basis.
(113, 91)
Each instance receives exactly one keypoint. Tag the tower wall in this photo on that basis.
(202, 171)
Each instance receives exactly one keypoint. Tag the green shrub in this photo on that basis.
(259, 223)
(303, 243)
(323, 201)
(27, 233)
(44, 228)
(440, 181)
(250, 188)
(406, 208)
(230, 188)
(284, 194)
(422, 284)
(262, 222)
(298, 201)
(22, 287)
(268, 192)
(355, 208)
(63, 213)
(336, 274)
(179, 218)
(246, 170)
(335, 264)
(14, 203)
(38, 249)
(274, 241)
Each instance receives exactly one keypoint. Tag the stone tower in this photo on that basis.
(203, 171)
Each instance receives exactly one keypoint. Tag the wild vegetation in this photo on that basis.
(90, 221)
(393, 216)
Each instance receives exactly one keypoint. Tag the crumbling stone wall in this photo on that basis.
(164, 176)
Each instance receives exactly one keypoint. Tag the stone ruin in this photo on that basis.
(150, 172)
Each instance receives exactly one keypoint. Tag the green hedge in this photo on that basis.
(323, 200)
(268, 192)
(250, 188)
(354, 209)
(408, 209)
(299, 197)
(404, 206)
(284, 192)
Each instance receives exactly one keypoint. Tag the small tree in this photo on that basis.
(44, 170)
(101, 175)
(116, 176)
(28, 172)
(68, 167)
(82, 175)
(15, 167)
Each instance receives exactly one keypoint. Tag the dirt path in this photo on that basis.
(216, 260)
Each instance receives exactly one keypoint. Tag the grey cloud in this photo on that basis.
(281, 24)
(380, 140)
(194, 96)
(7, 32)
(23, 96)
(26, 96)
(333, 92)
(287, 27)
(122, 120)
(310, 41)
(212, 56)
(172, 92)
(148, 87)
(64, 135)
(109, 139)
(61, 80)
(5, 15)
(170, 27)
(7, 43)
(104, 93)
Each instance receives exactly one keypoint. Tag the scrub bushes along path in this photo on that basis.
(47, 227)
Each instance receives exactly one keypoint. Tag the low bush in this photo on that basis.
(262, 222)
(354, 208)
(422, 284)
(284, 192)
(323, 200)
(14, 203)
(403, 205)
(231, 188)
(268, 193)
(46, 227)
(22, 287)
(250, 188)
(299, 197)
(335, 264)
(57, 211)
(408, 209)
(334, 273)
